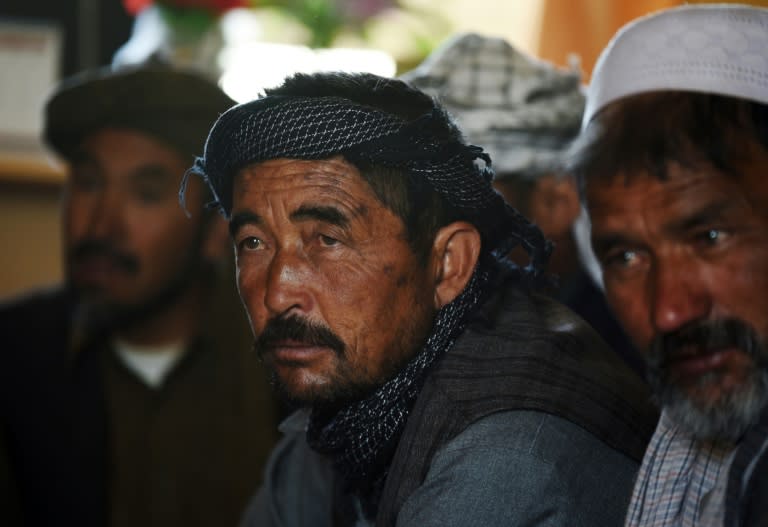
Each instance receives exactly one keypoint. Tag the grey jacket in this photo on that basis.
(515, 468)
(522, 460)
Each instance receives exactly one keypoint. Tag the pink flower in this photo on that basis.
(213, 6)
(134, 6)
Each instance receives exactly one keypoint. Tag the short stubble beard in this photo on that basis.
(346, 384)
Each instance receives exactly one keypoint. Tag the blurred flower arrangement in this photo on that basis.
(326, 19)
(181, 32)
(191, 16)
(214, 6)
(189, 31)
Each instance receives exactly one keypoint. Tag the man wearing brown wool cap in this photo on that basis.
(119, 406)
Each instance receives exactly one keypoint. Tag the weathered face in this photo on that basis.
(129, 243)
(685, 264)
(336, 297)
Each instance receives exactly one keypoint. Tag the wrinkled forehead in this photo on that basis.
(333, 176)
(745, 173)
(294, 183)
(288, 196)
(687, 196)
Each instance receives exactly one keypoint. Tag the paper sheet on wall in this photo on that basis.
(29, 62)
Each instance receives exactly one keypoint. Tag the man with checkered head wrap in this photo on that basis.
(672, 165)
(525, 112)
(435, 386)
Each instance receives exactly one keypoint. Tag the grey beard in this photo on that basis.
(730, 415)
(724, 420)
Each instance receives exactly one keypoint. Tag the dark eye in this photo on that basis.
(624, 262)
(250, 243)
(151, 192)
(328, 241)
(624, 258)
(627, 258)
(712, 236)
(150, 196)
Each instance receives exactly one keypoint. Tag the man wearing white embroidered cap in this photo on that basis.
(672, 164)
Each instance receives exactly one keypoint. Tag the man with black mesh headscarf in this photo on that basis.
(435, 387)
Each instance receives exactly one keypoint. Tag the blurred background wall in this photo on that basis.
(79, 34)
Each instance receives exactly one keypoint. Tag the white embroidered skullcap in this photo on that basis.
(523, 111)
(711, 48)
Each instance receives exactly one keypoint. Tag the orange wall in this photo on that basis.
(30, 237)
(586, 26)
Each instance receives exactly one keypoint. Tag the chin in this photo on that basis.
(710, 412)
(334, 392)
(100, 297)
(304, 396)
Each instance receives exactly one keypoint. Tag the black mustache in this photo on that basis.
(99, 248)
(707, 336)
(299, 330)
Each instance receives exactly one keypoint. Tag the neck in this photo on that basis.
(178, 322)
(381, 417)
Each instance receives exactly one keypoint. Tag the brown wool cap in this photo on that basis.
(173, 106)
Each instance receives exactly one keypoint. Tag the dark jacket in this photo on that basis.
(52, 418)
(86, 443)
(523, 352)
(528, 408)
(746, 503)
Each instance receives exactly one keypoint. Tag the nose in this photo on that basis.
(679, 295)
(288, 283)
(105, 221)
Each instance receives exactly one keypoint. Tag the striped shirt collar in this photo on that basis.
(681, 482)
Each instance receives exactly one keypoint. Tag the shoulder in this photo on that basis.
(34, 313)
(298, 483)
(535, 437)
(529, 352)
(34, 329)
(747, 491)
(518, 466)
(36, 297)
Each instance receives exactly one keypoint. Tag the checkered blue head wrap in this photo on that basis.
(305, 127)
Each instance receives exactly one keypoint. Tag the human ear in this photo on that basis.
(455, 252)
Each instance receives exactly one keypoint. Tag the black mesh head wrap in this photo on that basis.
(319, 127)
